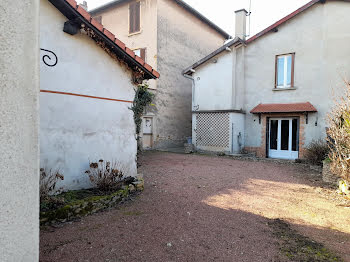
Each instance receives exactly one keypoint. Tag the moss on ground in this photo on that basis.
(297, 247)
(80, 203)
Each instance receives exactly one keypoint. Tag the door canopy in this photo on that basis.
(306, 107)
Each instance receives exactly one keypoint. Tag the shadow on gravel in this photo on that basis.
(173, 221)
(297, 247)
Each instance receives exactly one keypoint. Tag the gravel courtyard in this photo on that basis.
(206, 208)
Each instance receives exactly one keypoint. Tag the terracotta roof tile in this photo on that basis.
(120, 43)
(260, 34)
(148, 67)
(156, 73)
(130, 52)
(107, 33)
(73, 3)
(286, 18)
(84, 13)
(283, 108)
(96, 24)
(140, 60)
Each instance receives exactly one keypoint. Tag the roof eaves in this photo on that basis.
(283, 20)
(305, 107)
(237, 41)
(106, 6)
(203, 18)
(179, 2)
(72, 11)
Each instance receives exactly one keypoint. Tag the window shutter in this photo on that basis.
(143, 54)
(134, 17)
(131, 17)
(137, 17)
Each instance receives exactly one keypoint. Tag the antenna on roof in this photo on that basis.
(249, 14)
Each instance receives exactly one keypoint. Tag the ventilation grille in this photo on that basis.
(213, 129)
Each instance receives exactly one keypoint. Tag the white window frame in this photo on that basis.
(285, 73)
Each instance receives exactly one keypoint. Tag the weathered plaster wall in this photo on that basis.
(182, 40)
(237, 132)
(318, 37)
(76, 130)
(174, 39)
(19, 161)
(117, 21)
(213, 84)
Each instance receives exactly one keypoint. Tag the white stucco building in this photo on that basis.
(87, 81)
(169, 35)
(270, 94)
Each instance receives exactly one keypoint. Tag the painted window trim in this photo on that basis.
(140, 48)
(136, 32)
(287, 87)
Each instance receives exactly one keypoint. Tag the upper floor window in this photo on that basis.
(285, 71)
(134, 17)
(141, 52)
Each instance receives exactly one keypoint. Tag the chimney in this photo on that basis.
(84, 5)
(241, 28)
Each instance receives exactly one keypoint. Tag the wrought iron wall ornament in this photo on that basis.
(48, 59)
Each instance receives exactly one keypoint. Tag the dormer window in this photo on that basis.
(285, 71)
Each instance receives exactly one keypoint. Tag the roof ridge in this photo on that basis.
(182, 3)
(263, 32)
(283, 20)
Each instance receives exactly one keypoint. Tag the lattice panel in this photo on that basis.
(213, 129)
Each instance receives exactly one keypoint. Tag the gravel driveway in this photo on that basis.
(202, 208)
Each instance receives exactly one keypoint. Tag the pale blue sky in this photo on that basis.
(221, 12)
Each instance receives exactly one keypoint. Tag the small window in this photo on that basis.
(285, 71)
(134, 17)
(141, 53)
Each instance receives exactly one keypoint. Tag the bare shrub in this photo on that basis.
(104, 175)
(48, 181)
(316, 152)
(339, 136)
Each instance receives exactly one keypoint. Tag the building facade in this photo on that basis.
(87, 88)
(271, 93)
(169, 35)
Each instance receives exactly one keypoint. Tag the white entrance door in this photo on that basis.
(283, 138)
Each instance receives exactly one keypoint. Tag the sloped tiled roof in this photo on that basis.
(265, 31)
(73, 11)
(283, 108)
